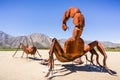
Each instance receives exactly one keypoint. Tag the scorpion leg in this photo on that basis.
(99, 47)
(97, 57)
(51, 58)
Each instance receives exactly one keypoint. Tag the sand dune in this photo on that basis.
(18, 68)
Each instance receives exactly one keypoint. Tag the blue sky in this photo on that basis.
(23, 17)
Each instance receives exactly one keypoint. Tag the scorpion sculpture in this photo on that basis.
(74, 47)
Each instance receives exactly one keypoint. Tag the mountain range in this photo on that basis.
(39, 40)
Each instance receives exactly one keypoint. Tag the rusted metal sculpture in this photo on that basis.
(93, 52)
(27, 49)
(74, 46)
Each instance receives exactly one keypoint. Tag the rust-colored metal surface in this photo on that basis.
(74, 47)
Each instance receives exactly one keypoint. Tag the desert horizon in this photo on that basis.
(17, 68)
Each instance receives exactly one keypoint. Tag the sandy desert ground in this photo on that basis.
(18, 68)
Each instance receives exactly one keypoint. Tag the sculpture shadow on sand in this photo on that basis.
(71, 68)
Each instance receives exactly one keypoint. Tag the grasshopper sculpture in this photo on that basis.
(27, 49)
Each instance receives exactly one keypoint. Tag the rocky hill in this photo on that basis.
(39, 40)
